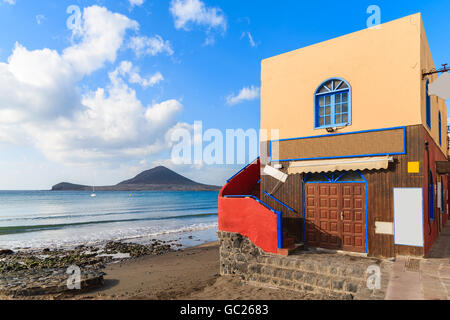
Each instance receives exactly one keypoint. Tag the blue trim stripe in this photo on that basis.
(341, 133)
(284, 205)
(347, 156)
(254, 198)
(279, 230)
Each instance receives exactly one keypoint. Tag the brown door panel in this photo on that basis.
(335, 216)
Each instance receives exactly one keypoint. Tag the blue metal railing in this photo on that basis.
(283, 204)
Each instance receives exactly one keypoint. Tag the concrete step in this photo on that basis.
(328, 274)
(290, 250)
(316, 264)
(301, 280)
(273, 282)
(318, 274)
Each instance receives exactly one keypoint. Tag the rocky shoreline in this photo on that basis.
(41, 272)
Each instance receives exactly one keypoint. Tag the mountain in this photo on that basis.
(159, 175)
(158, 178)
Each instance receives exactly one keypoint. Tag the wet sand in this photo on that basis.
(189, 274)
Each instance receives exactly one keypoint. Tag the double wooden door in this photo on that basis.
(335, 216)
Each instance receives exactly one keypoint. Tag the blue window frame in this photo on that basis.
(440, 129)
(428, 104)
(333, 104)
(431, 196)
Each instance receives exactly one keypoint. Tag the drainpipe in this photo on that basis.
(428, 186)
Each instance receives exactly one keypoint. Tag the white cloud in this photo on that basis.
(41, 103)
(102, 35)
(136, 2)
(161, 113)
(246, 94)
(126, 69)
(11, 2)
(146, 82)
(112, 126)
(190, 12)
(143, 45)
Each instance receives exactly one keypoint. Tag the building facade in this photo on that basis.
(353, 139)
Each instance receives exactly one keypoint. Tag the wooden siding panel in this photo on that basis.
(337, 145)
(380, 185)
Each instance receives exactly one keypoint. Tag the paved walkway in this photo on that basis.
(423, 279)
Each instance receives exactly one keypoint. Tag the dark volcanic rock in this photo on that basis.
(5, 252)
(63, 186)
(159, 175)
(137, 250)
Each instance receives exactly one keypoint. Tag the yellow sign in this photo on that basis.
(413, 167)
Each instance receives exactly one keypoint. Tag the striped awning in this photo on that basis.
(347, 164)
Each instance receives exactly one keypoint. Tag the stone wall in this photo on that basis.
(329, 275)
(237, 253)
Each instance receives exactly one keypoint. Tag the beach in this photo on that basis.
(187, 274)
(141, 245)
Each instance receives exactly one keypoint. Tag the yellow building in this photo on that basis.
(353, 139)
(382, 68)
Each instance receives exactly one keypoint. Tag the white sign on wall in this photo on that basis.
(408, 216)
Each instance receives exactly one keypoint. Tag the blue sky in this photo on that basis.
(185, 64)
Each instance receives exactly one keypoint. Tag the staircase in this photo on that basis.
(321, 273)
(333, 276)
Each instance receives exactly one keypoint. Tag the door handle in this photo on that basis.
(342, 215)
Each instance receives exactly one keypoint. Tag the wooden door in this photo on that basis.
(353, 217)
(335, 216)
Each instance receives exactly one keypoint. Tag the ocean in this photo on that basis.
(64, 219)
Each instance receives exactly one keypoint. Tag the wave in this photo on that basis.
(34, 228)
(128, 211)
(141, 235)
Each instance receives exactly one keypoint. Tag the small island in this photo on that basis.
(157, 179)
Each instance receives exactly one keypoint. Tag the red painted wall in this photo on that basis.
(251, 219)
(243, 182)
(431, 228)
(246, 215)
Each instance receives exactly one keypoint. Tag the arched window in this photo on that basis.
(440, 129)
(333, 104)
(428, 104)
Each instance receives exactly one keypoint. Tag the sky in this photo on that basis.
(90, 91)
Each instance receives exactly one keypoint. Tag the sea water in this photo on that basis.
(64, 219)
